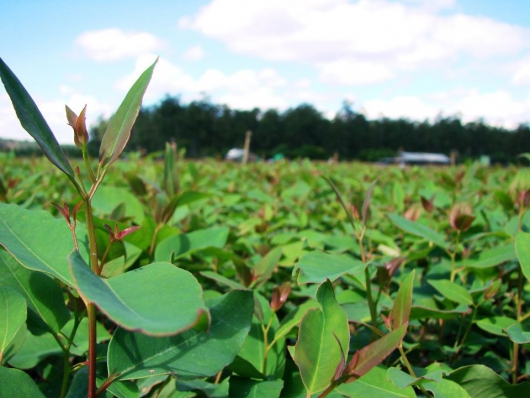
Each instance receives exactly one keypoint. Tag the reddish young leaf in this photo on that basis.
(373, 354)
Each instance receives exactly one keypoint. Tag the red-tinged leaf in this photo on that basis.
(64, 210)
(71, 116)
(373, 354)
(81, 133)
(119, 128)
(428, 204)
(32, 120)
(280, 295)
(366, 202)
(76, 209)
(403, 302)
(461, 217)
(124, 232)
(342, 364)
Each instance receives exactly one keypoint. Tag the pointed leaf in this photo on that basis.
(492, 257)
(38, 241)
(452, 291)
(446, 389)
(192, 353)
(317, 266)
(374, 353)
(119, 128)
(264, 269)
(418, 229)
(16, 383)
(165, 299)
(250, 360)
(482, 382)
(517, 334)
(403, 302)
(243, 388)
(13, 310)
(366, 202)
(375, 384)
(32, 120)
(317, 352)
(180, 245)
(43, 295)
(522, 248)
(496, 324)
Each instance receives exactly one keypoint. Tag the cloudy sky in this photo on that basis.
(416, 59)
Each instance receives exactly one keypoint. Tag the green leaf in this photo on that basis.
(264, 269)
(250, 360)
(452, 291)
(16, 344)
(34, 350)
(222, 280)
(418, 229)
(240, 387)
(180, 245)
(374, 353)
(32, 120)
(317, 266)
(496, 324)
(13, 310)
(517, 334)
(482, 382)
(171, 177)
(431, 311)
(492, 257)
(16, 383)
(318, 352)
(164, 300)
(522, 248)
(43, 295)
(294, 317)
(403, 302)
(26, 235)
(190, 354)
(119, 128)
(446, 389)
(108, 198)
(402, 380)
(375, 384)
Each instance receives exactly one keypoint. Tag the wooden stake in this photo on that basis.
(247, 147)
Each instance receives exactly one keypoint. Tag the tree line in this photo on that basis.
(207, 129)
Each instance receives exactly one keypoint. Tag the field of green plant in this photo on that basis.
(274, 253)
(162, 277)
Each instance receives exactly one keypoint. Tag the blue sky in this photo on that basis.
(416, 59)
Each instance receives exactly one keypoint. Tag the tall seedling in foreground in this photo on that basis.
(157, 308)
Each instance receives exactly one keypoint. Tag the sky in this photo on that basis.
(414, 59)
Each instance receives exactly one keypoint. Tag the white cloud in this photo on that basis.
(329, 34)
(113, 44)
(522, 73)
(194, 53)
(244, 88)
(497, 108)
(355, 73)
(410, 107)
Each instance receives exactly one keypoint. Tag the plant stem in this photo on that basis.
(267, 348)
(91, 308)
(453, 257)
(409, 367)
(370, 299)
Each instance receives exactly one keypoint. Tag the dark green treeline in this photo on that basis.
(206, 129)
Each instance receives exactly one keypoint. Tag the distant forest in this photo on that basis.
(206, 129)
